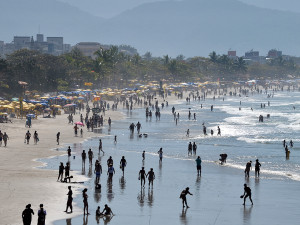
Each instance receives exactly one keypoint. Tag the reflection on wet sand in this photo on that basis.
(141, 197)
(198, 183)
(109, 190)
(122, 183)
(90, 173)
(183, 218)
(150, 197)
(247, 214)
(97, 194)
(85, 220)
(68, 221)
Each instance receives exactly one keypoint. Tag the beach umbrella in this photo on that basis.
(79, 123)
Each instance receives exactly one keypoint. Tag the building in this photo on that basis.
(273, 53)
(231, 54)
(21, 42)
(252, 56)
(88, 48)
(55, 45)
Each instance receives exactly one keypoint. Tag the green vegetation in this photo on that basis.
(114, 68)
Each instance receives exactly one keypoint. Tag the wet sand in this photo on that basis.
(216, 198)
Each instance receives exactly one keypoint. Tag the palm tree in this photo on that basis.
(240, 64)
(213, 57)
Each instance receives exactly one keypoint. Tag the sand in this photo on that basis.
(23, 182)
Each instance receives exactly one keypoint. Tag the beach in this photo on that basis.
(22, 179)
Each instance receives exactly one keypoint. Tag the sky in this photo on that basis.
(110, 8)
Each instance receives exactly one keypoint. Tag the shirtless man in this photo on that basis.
(151, 177)
(142, 175)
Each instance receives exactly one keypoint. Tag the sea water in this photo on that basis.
(243, 138)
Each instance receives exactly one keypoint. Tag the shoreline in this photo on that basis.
(24, 179)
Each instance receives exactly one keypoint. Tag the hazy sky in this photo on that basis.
(110, 8)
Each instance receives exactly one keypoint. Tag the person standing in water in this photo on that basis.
(248, 168)
(257, 168)
(219, 131)
(198, 163)
(183, 195)
(160, 153)
(247, 193)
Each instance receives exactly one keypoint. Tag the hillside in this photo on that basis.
(20, 17)
(196, 27)
(188, 27)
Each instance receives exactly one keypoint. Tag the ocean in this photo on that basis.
(216, 193)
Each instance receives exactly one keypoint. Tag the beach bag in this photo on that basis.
(182, 194)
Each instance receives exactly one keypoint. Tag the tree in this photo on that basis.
(213, 57)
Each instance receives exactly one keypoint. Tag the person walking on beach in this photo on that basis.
(151, 177)
(83, 157)
(1, 138)
(219, 131)
(123, 164)
(247, 193)
(41, 215)
(98, 170)
(257, 168)
(248, 168)
(27, 215)
(85, 202)
(57, 137)
(183, 196)
(70, 200)
(69, 151)
(76, 129)
(198, 163)
(5, 138)
(110, 172)
(100, 146)
(35, 137)
(110, 161)
(91, 156)
(27, 136)
(194, 148)
(142, 176)
(160, 153)
(143, 155)
(61, 172)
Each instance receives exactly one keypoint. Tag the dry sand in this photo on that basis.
(21, 182)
